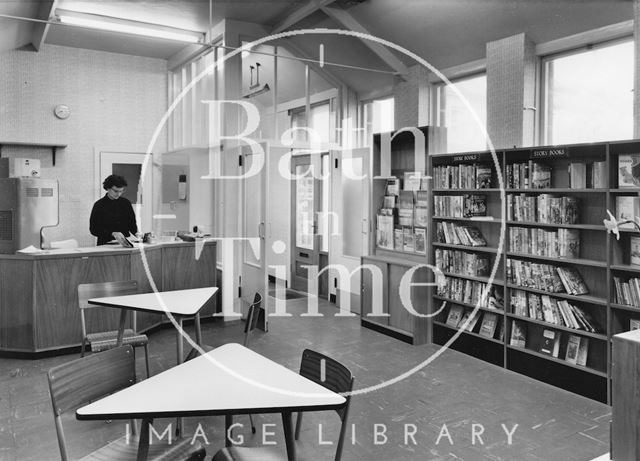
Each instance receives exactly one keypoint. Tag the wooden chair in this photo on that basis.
(256, 316)
(90, 378)
(101, 341)
(337, 378)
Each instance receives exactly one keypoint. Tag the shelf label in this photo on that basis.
(466, 158)
(548, 153)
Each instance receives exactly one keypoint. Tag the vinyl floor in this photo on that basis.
(411, 404)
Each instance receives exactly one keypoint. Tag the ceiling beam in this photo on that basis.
(298, 15)
(40, 30)
(345, 19)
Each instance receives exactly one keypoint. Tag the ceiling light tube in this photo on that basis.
(109, 24)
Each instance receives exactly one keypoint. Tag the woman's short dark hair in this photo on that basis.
(114, 180)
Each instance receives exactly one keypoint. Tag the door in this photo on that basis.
(255, 192)
(139, 193)
(306, 195)
(350, 234)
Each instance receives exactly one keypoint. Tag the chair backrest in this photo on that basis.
(253, 317)
(86, 291)
(333, 375)
(84, 380)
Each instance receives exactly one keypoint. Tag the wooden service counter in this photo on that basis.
(38, 291)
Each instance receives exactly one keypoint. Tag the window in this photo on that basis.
(321, 120)
(462, 130)
(378, 117)
(588, 95)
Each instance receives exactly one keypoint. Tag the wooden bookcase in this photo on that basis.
(600, 260)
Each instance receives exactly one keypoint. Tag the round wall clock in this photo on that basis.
(62, 111)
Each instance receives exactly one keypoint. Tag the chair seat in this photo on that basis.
(108, 339)
(120, 450)
(249, 454)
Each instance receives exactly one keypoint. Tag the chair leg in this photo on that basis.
(146, 359)
(253, 427)
(298, 424)
(83, 347)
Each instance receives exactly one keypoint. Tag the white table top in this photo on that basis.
(236, 381)
(178, 302)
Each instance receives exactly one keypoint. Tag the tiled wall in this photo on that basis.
(510, 79)
(116, 102)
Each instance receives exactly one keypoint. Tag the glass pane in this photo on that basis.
(383, 115)
(304, 208)
(463, 132)
(131, 173)
(590, 95)
(352, 205)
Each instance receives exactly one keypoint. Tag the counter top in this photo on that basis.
(99, 250)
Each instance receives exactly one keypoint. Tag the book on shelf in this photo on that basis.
(422, 198)
(572, 281)
(421, 216)
(518, 334)
(455, 314)
(386, 211)
(627, 207)
(392, 186)
(629, 170)
(501, 331)
(540, 176)
(405, 216)
(472, 323)
(408, 243)
(573, 345)
(384, 232)
(483, 176)
(599, 175)
(550, 344)
(634, 324)
(634, 250)
(389, 201)
(420, 240)
(489, 324)
(412, 180)
(405, 199)
(583, 351)
(424, 182)
(578, 175)
(475, 205)
(398, 243)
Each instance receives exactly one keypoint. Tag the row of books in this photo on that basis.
(561, 243)
(528, 175)
(542, 208)
(470, 292)
(455, 234)
(458, 315)
(545, 277)
(476, 176)
(551, 310)
(460, 206)
(408, 239)
(627, 292)
(462, 262)
(549, 344)
(411, 181)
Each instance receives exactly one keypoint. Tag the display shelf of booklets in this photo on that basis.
(400, 206)
(545, 314)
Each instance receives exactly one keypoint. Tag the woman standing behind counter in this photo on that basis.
(112, 213)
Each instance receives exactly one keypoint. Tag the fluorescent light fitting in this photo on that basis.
(92, 21)
(257, 92)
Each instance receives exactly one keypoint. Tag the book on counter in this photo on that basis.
(629, 170)
(420, 240)
(550, 344)
(518, 334)
(455, 314)
(488, 325)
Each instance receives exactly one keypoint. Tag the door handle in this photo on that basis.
(261, 230)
